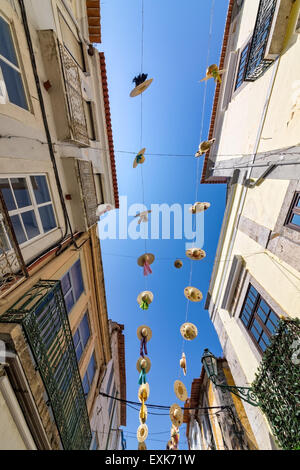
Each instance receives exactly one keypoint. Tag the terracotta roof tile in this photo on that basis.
(217, 180)
(108, 127)
(93, 15)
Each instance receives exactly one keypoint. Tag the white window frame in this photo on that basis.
(79, 332)
(72, 287)
(5, 98)
(33, 207)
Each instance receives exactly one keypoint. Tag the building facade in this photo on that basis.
(223, 427)
(56, 166)
(109, 414)
(255, 120)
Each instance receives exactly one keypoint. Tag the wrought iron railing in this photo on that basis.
(277, 384)
(12, 266)
(44, 319)
(257, 63)
(74, 96)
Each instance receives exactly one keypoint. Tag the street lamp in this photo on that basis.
(210, 364)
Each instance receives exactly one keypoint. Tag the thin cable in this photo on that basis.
(198, 160)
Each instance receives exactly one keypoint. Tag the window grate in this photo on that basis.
(42, 314)
(257, 63)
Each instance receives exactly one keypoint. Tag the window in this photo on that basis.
(94, 443)
(10, 69)
(89, 375)
(241, 74)
(293, 217)
(72, 285)
(70, 42)
(29, 205)
(89, 119)
(81, 336)
(258, 318)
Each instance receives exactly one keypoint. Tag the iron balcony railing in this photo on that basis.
(277, 384)
(43, 316)
(257, 63)
(12, 266)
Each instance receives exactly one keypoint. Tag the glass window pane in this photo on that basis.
(85, 384)
(91, 369)
(77, 281)
(20, 189)
(265, 339)
(69, 301)
(4, 243)
(84, 330)
(7, 48)
(66, 283)
(76, 338)
(21, 237)
(14, 85)
(7, 194)
(264, 306)
(47, 218)
(40, 189)
(79, 352)
(30, 224)
(257, 326)
(255, 333)
(296, 219)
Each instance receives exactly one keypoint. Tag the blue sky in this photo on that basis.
(176, 38)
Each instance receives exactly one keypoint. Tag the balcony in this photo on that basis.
(65, 92)
(277, 384)
(268, 37)
(12, 267)
(43, 317)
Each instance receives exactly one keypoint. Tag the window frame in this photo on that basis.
(34, 206)
(254, 316)
(19, 68)
(90, 383)
(71, 289)
(242, 49)
(292, 211)
(83, 346)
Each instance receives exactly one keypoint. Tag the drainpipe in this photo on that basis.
(244, 188)
(110, 422)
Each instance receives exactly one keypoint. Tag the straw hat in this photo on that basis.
(199, 207)
(170, 445)
(182, 363)
(141, 160)
(146, 296)
(142, 446)
(195, 253)
(145, 363)
(145, 331)
(174, 430)
(176, 415)
(204, 147)
(142, 432)
(141, 88)
(142, 421)
(193, 294)
(189, 331)
(180, 390)
(147, 257)
(178, 264)
(213, 72)
(144, 391)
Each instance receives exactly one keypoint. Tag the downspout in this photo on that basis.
(46, 126)
(244, 188)
(110, 422)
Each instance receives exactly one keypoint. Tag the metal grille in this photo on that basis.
(12, 266)
(277, 384)
(42, 314)
(257, 64)
(74, 95)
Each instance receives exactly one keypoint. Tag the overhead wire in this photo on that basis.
(198, 160)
